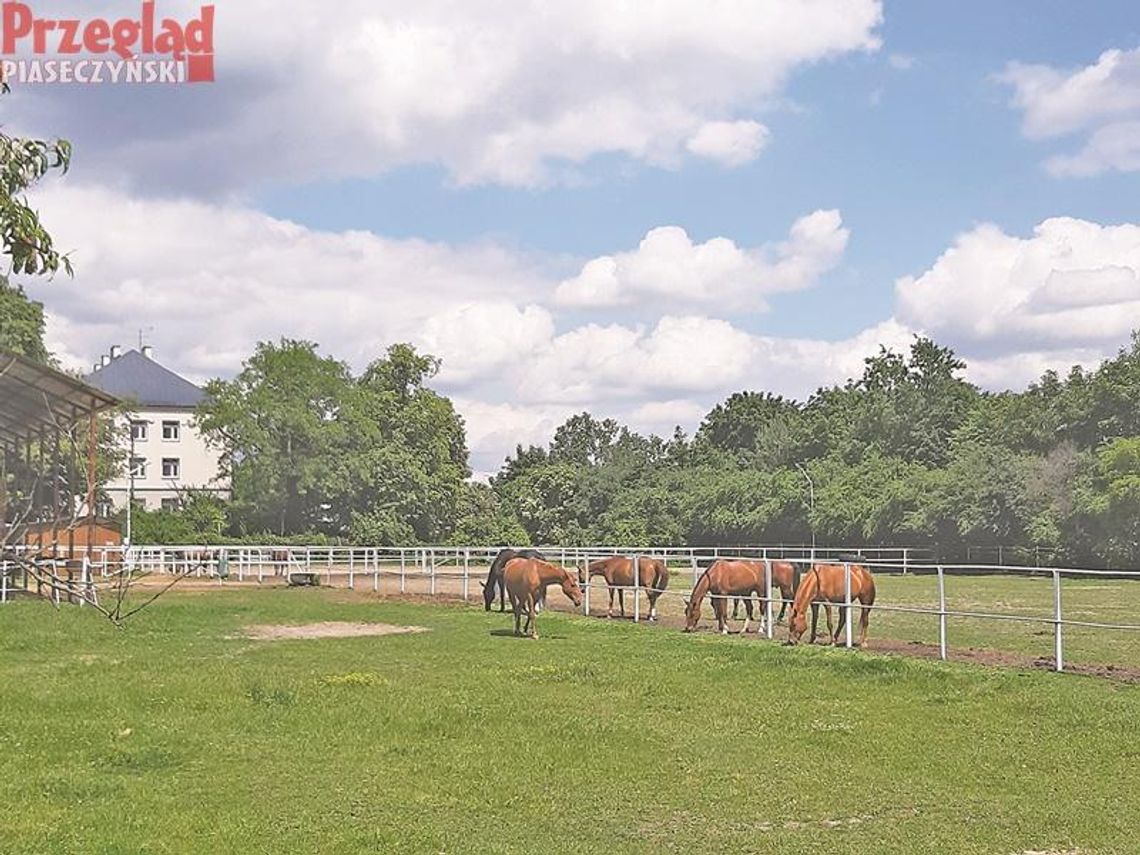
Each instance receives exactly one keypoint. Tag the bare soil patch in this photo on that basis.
(326, 629)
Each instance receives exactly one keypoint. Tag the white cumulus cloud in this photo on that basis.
(516, 92)
(1101, 100)
(668, 265)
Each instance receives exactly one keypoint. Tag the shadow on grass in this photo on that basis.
(510, 633)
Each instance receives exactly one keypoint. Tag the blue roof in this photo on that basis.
(139, 379)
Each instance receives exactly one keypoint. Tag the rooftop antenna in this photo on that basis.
(142, 336)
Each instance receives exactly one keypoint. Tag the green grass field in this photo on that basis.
(177, 734)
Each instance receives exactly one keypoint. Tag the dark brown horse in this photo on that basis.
(786, 577)
(526, 580)
(723, 581)
(652, 575)
(495, 576)
(826, 584)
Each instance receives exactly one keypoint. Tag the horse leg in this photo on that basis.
(502, 594)
(736, 609)
(533, 617)
(784, 597)
(621, 600)
(610, 610)
(814, 622)
(653, 604)
(747, 615)
(864, 619)
(720, 606)
(516, 607)
(528, 603)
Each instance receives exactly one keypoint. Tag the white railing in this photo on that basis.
(449, 571)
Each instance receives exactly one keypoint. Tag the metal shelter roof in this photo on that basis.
(35, 398)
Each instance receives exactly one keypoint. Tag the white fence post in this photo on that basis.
(586, 576)
(906, 560)
(403, 570)
(351, 567)
(941, 613)
(768, 597)
(431, 558)
(375, 570)
(4, 583)
(1058, 643)
(636, 588)
(847, 601)
(466, 571)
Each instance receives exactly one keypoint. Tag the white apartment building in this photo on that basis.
(166, 454)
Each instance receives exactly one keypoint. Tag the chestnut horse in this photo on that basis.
(652, 575)
(526, 579)
(786, 577)
(826, 584)
(723, 581)
(495, 576)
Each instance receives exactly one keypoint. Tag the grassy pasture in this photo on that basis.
(177, 734)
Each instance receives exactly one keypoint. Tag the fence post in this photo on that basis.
(431, 558)
(768, 596)
(403, 569)
(586, 576)
(328, 567)
(693, 561)
(847, 602)
(351, 567)
(906, 560)
(375, 570)
(636, 588)
(4, 583)
(1058, 644)
(466, 570)
(941, 613)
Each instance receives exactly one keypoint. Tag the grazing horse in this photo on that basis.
(826, 583)
(724, 580)
(652, 575)
(526, 580)
(495, 576)
(786, 577)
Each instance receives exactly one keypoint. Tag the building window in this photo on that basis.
(170, 467)
(138, 467)
(170, 431)
(138, 431)
(170, 504)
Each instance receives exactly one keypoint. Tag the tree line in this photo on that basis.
(908, 454)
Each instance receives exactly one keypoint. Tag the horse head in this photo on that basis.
(692, 614)
(571, 588)
(797, 624)
(488, 595)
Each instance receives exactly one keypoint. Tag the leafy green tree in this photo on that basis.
(23, 162)
(277, 423)
(21, 323)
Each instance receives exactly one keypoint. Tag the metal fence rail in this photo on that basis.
(436, 566)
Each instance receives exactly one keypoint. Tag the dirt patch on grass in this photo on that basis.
(327, 629)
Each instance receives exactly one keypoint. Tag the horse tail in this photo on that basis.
(661, 577)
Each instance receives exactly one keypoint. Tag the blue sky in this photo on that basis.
(910, 156)
(479, 182)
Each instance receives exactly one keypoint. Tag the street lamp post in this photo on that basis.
(811, 506)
